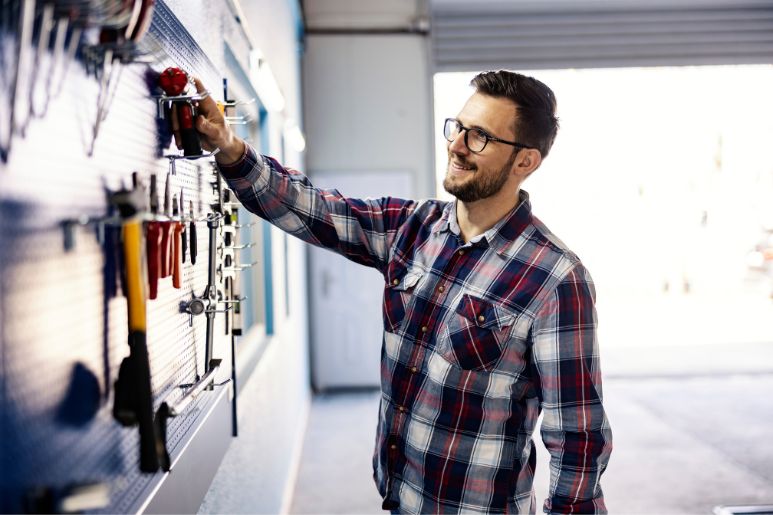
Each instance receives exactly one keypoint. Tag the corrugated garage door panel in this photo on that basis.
(486, 35)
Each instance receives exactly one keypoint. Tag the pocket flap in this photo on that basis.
(483, 313)
(409, 280)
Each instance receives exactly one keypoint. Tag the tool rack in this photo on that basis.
(63, 309)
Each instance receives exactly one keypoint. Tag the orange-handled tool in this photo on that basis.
(177, 230)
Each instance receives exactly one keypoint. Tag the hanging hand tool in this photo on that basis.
(154, 237)
(24, 58)
(184, 235)
(210, 293)
(177, 229)
(37, 101)
(192, 234)
(166, 232)
(174, 82)
(133, 402)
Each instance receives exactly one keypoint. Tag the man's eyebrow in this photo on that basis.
(475, 126)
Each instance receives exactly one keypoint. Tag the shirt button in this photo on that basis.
(401, 409)
(424, 329)
(461, 252)
(414, 370)
(396, 282)
(441, 289)
(481, 318)
(393, 447)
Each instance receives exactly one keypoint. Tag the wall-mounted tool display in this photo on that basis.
(59, 400)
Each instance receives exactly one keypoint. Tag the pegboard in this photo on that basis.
(62, 336)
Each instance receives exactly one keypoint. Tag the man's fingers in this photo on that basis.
(205, 127)
(206, 105)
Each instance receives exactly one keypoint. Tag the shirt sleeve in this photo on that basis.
(362, 230)
(575, 428)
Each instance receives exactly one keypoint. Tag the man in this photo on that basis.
(488, 318)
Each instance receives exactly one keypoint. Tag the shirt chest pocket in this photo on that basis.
(476, 333)
(397, 295)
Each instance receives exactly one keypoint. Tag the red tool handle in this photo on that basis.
(153, 248)
(177, 255)
(188, 134)
(166, 248)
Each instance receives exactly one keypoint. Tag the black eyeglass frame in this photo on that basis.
(488, 136)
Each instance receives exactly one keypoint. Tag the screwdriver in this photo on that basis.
(182, 221)
(177, 229)
(192, 235)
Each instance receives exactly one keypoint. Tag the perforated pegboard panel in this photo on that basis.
(62, 336)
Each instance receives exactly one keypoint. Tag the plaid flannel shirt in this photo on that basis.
(479, 338)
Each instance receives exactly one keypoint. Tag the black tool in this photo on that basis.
(192, 233)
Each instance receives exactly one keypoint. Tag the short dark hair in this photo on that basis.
(536, 124)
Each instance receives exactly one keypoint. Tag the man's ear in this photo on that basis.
(526, 162)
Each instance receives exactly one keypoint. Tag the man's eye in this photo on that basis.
(479, 135)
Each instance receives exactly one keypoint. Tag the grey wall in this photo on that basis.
(368, 105)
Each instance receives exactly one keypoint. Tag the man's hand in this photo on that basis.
(215, 132)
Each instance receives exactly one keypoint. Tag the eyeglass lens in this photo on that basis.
(475, 139)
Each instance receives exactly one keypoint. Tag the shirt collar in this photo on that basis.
(502, 234)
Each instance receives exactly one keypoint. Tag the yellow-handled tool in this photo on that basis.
(133, 403)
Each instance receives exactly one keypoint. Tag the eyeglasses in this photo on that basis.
(474, 138)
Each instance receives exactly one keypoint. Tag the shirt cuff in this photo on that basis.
(241, 167)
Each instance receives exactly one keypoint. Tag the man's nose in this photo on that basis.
(457, 146)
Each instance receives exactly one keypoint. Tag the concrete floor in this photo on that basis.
(681, 446)
(692, 419)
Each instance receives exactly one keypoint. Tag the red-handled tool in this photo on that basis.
(153, 242)
(166, 232)
(174, 82)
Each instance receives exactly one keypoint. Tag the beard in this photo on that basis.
(483, 183)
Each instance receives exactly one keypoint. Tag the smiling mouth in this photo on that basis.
(459, 166)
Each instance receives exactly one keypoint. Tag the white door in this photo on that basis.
(346, 323)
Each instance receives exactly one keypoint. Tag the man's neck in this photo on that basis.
(477, 217)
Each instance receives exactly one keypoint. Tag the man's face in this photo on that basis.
(470, 176)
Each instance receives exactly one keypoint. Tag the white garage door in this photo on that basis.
(470, 35)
